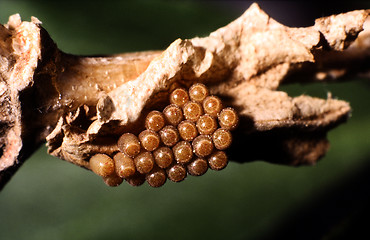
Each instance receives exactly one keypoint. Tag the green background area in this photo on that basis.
(51, 199)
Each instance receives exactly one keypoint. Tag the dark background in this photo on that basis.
(52, 199)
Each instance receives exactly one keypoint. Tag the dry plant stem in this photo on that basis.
(80, 105)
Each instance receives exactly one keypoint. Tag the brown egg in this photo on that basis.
(149, 140)
(202, 145)
(102, 165)
(136, 180)
(212, 105)
(176, 173)
(218, 160)
(187, 130)
(173, 114)
(197, 167)
(144, 162)
(169, 135)
(198, 92)
(206, 124)
(156, 177)
(163, 157)
(154, 121)
(113, 180)
(222, 138)
(228, 118)
(192, 111)
(124, 165)
(179, 97)
(129, 144)
(183, 152)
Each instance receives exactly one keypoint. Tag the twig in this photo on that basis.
(81, 105)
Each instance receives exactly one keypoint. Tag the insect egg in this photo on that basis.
(149, 140)
(192, 111)
(212, 105)
(101, 165)
(187, 130)
(218, 160)
(154, 121)
(198, 167)
(136, 180)
(129, 144)
(176, 173)
(228, 118)
(173, 114)
(163, 157)
(179, 97)
(222, 138)
(198, 92)
(157, 177)
(169, 135)
(206, 124)
(202, 145)
(113, 180)
(144, 162)
(183, 152)
(124, 165)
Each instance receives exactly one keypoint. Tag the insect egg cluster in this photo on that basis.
(187, 137)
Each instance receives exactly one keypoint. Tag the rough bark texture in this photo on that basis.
(80, 105)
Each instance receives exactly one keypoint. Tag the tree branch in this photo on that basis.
(81, 105)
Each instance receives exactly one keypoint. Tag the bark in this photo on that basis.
(80, 105)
